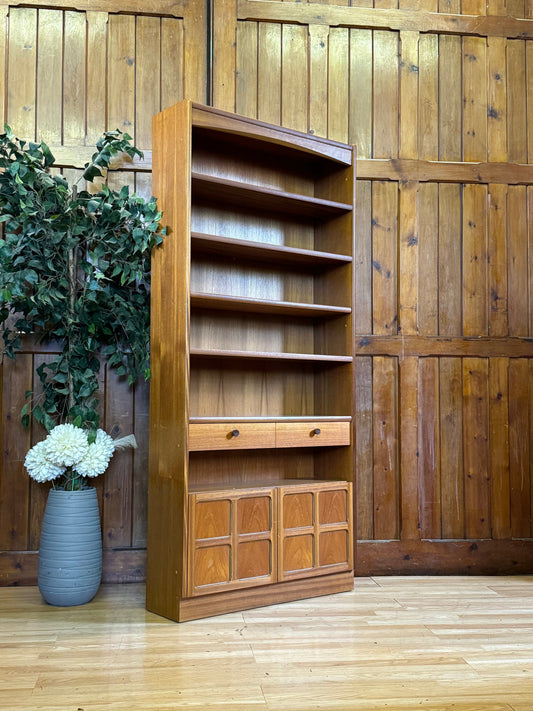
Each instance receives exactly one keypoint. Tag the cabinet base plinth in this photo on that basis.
(193, 608)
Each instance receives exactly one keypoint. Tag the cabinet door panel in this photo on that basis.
(212, 565)
(298, 510)
(333, 506)
(212, 519)
(233, 546)
(254, 515)
(334, 548)
(315, 529)
(298, 553)
(254, 559)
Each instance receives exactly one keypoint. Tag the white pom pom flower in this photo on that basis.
(105, 442)
(95, 461)
(39, 467)
(66, 445)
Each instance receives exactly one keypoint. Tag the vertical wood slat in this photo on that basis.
(409, 448)
(476, 448)
(21, 72)
(148, 66)
(428, 72)
(450, 98)
(96, 69)
(194, 37)
(517, 258)
(385, 95)
(318, 79)
(497, 99)
(529, 95)
(408, 258)
(364, 459)
(499, 447)
(363, 259)
(294, 77)
(117, 510)
(338, 84)
(429, 449)
(3, 63)
(121, 73)
(246, 67)
(530, 255)
(141, 404)
(497, 254)
(14, 482)
(450, 266)
(384, 259)
(385, 435)
(451, 448)
(519, 448)
(74, 76)
(409, 103)
(361, 117)
(269, 73)
(475, 257)
(49, 77)
(428, 259)
(172, 69)
(474, 99)
(516, 98)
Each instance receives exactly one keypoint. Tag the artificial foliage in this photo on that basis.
(74, 269)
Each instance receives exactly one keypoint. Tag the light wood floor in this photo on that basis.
(393, 643)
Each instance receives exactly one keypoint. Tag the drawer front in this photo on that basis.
(312, 434)
(238, 435)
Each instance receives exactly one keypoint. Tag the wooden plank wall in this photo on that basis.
(435, 94)
(67, 75)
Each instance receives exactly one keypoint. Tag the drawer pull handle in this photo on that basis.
(316, 431)
(235, 433)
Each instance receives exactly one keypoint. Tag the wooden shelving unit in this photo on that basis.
(252, 403)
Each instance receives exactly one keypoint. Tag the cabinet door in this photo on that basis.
(231, 540)
(315, 526)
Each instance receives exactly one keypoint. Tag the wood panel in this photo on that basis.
(67, 75)
(443, 266)
(436, 98)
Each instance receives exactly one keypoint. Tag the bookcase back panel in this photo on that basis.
(335, 235)
(250, 467)
(221, 161)
(248, 390)
(270, 229)
(224, 330)
(223, 276)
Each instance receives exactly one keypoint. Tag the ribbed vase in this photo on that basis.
(70, 554)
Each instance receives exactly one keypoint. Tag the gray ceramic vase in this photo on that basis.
(70, 554)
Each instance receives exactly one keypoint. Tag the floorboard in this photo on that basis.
(438, 643)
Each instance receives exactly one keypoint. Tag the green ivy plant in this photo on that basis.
(74, 268)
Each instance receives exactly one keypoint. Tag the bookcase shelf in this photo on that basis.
(251, 403)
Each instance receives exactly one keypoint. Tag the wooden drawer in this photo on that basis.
(237, 435)
(312, 434)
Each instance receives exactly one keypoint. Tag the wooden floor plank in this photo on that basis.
(403, 642)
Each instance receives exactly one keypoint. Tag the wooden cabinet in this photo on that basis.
(251, 412)
(251, 536)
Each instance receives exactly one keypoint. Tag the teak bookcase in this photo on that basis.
(252, 402)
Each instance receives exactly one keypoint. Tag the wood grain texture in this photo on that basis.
(384, 633)
(386, 16)
(385, 434)
(21, 71)
(319, 36)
